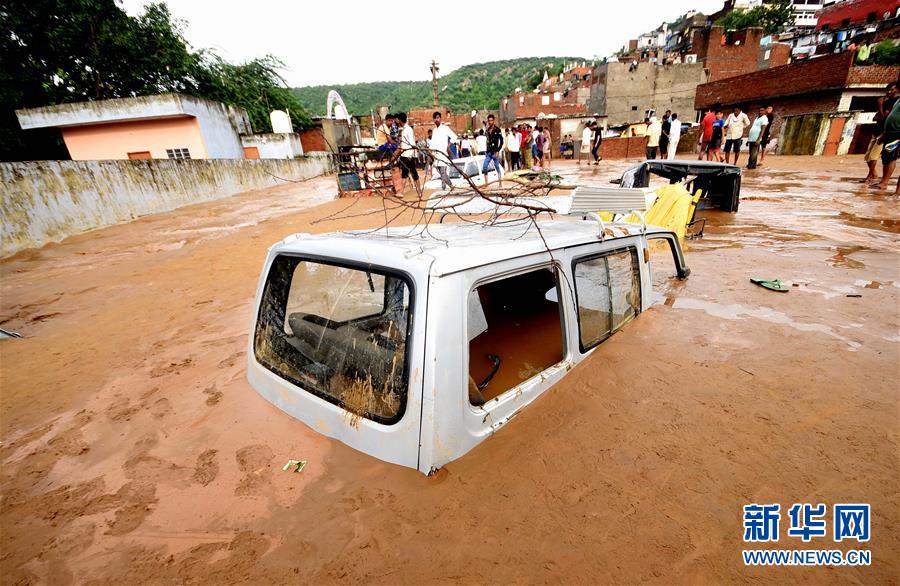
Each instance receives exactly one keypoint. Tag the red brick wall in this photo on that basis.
(738, 56)
(873, 74)
(312, 139)
(811, 76)
(624, 148)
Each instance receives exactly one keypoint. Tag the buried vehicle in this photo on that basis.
(720, 183)
(414, 349)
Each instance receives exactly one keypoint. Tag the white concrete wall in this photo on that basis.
(47, 201)
(221, 127)
(275, 145)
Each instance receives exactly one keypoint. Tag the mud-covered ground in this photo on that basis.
(133, 449)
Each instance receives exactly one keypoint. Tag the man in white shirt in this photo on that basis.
(654, 131)
(441, 136)
(480, 143)
(512, 145)
(408, 153)
(674, 135)
(754, 136)
(587, 137)
(735, 124)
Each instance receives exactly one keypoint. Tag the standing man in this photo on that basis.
(494, 145)
(480, 143)
(408, 153)
(734, 133)
(441, 136)
(674, 135)
(756, 132)
(764, 141)
(598, 140)
(873, 153)
(664, 135)
(890, 147)
(654, 130)
(587, 139)
(706, 129)
(513, 144)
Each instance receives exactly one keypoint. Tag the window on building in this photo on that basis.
(556, 96)
(521, 100)
(182, 153)
(608, 292)
(864, 103)
(634, 108)
(872, 17)
(338, 332)
(845, 23)
(515, 332)
(545, 100)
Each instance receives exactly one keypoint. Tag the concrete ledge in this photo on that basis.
(47, 201)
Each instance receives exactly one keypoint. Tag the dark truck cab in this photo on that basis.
(721, 183)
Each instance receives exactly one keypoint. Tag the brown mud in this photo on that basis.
(133, 449)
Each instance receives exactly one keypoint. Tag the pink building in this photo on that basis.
(165, 126)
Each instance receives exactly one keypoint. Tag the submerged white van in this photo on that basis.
(414, 349)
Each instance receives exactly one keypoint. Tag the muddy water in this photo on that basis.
(134, 450)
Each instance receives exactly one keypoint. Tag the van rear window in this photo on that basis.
(339, 332)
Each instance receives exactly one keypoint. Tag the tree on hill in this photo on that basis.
(476, 86)
(772, 17)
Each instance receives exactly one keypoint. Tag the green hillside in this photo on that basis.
(471, 87)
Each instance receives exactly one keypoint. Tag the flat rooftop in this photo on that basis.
(116, 110)
(461, 245)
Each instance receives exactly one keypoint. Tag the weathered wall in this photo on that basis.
(47, 201)
(623, 96)
(274, 145)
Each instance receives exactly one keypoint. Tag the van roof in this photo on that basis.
(461, 245)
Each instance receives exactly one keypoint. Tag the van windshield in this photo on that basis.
(338, 332)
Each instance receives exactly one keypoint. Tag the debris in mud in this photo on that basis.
(8, 334)
(297, 465)
(770, 284)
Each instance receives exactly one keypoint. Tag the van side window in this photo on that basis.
(515, 332)
(608, 291)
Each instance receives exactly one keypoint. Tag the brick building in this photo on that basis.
(562, 96)
(842, 15)
(729, 53)
(825, 84)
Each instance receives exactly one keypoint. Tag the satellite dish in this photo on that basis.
(336, 107)
(281, 122)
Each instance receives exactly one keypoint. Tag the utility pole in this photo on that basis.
(434, 83)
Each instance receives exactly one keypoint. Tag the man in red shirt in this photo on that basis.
(706, 128)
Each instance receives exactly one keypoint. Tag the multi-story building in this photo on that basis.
(561, 100)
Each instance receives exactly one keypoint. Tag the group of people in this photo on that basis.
(718, 133)
(444, 145)
(663, 136)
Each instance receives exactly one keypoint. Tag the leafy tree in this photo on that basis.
(255, 86)
(58, 51)
(772, 17)
(887, 52)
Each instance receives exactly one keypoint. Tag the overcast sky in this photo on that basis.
(325, 42)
